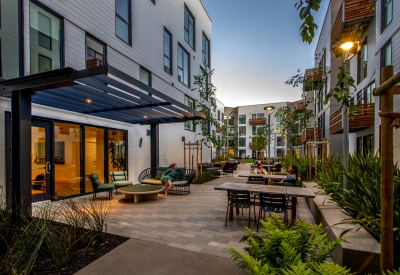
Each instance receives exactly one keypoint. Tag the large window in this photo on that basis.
(279, 141)
(9, 40)
(259, 115)
(116, 149)
(94, 154)
(123, 20)
(183, 66)
(167, 51)
(95, 52)
(387, 55)
(242, 119)
(387, 12)
(365, 145)
(145, 77)
(257, 129)
(206, 51)
(242, 130)
(189, 124)
(45, 40)
(189, 28)
(242, 142)
(362, 62)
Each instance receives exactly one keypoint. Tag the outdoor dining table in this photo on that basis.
(270, 176)
(294, 192)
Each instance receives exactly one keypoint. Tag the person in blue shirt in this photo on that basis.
(293, 173)
(168, 177)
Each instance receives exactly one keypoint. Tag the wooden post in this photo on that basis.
(201, 158)
(309, 158)
(197, 156)
(184, 154)
(386, 175)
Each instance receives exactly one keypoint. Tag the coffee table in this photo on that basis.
(140, 192)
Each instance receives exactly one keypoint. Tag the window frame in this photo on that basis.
(95, 39)
(166, 31)
(149, 79)
(362, 60)
(241, 117)
(46, 57)
(189, 122)
(205, 38)
(384, 7)
(129, 42)
(188, 13)
(383, 53)
(183, 52)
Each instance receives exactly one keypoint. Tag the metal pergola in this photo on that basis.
(102, 91)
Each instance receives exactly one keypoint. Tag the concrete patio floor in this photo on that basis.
(191, 226)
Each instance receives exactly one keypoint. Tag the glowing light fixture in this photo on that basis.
(145, 116)
(346, 46)
(88, 100)
(269, 108)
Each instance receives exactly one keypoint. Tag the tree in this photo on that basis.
(307, 29)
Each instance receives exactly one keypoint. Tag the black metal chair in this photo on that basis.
(239, 199)
(228, 168)
(255, 180)
(270, 202)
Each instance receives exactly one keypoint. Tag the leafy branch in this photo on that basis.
(307, 29)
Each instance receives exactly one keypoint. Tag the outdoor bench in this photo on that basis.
(181, 185)
(120, 179)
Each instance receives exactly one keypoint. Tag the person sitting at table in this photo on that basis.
(293, 173)
(259, 169)
(168, 177)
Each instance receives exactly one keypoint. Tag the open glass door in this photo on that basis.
(41, 176)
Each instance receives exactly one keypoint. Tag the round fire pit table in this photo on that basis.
(141, 192)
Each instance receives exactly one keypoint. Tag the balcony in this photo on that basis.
(351, 13)
(253, 121)
(251, 144)
(91, 63)
(363, 118)
(312, 79)
(308, 134)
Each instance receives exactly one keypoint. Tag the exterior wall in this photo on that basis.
(148, 22)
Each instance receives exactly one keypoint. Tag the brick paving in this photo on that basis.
(193, 222)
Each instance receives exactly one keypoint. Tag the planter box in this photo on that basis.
(361, 252)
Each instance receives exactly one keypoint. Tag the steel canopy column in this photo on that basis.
(21, 122)
(154, 144)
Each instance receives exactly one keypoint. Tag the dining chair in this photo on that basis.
(239, 199)
(270, 202)
(255, 180)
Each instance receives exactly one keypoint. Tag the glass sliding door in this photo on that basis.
(67, 159)
(94, 155)
(116, 151)
(41, 176)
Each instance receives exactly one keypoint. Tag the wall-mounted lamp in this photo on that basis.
(148, 133)
(140, 142)
(183, 139)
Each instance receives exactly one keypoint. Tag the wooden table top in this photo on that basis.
(271, 176)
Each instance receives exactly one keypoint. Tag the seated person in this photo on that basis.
(259, 170)
(293, 173)
(168, 177)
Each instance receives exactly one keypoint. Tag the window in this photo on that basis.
(279, 118)
(189, 28)
(242, 130)
(260, 115)
(44, 31)
(145, 77)
(123, 20)
(368, 96)
(365, 145)
(387, 55)
(189, 124)
(94, 53)
(321, 124)
(219, 115)
(45, 43)
(359, 149)
(242, 142)
(213, 133)
(362, 62)
(242, 119)
(279, 141)
(206, 51)
(387, 13)
(183, 66)
(167, 52)
(257, 130)
(44, 64)
(222, 117)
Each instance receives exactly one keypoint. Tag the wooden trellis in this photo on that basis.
(386, 91)
(192, 149)
(312, 153)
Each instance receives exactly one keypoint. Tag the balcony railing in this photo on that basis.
(257, 121)
(352, 13)
(90, 63)
(363, 118)
(308, 134)
(312, 79)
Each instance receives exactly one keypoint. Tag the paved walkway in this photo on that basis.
(178, 225)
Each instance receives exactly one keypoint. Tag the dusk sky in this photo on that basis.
(256, 47)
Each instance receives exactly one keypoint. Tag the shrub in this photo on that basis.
(301, 249)
(205, 177)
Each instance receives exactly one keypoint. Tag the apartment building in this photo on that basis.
(149, 49)
(250, 120)
(380, 47)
